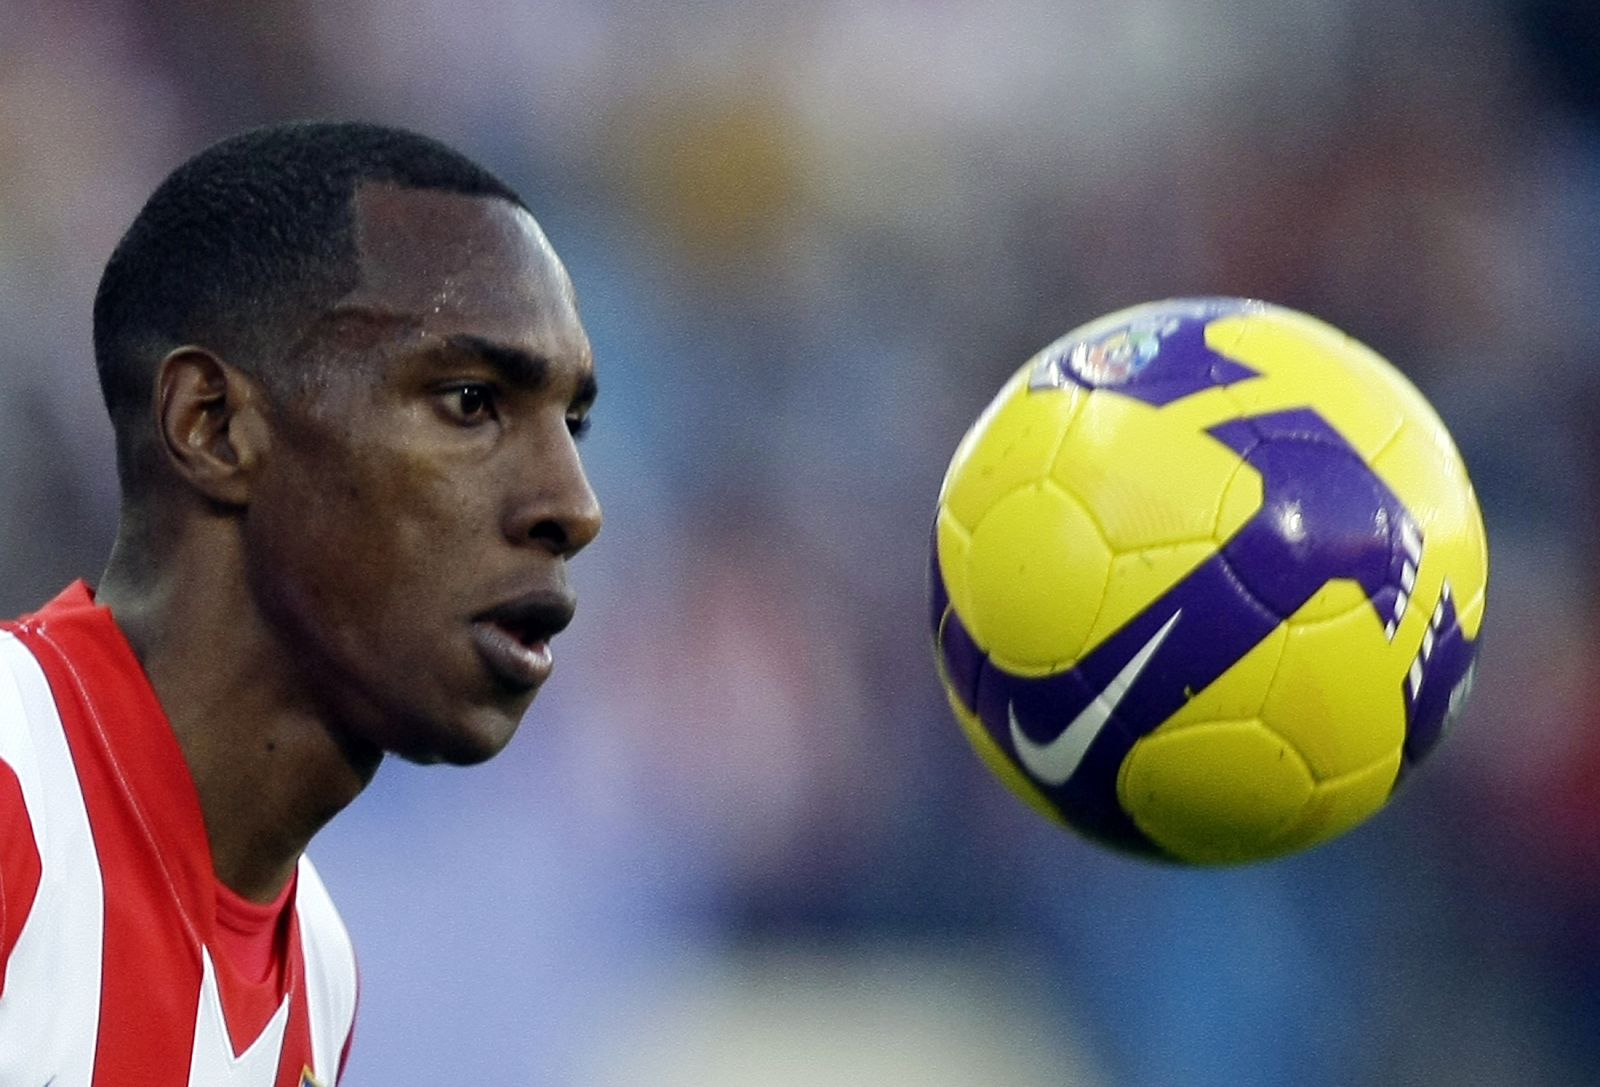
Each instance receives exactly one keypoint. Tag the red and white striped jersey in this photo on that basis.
(114, 968)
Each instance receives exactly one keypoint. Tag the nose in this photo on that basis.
(558, 509)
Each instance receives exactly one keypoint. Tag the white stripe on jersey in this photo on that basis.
(58, 950)
(330, 971)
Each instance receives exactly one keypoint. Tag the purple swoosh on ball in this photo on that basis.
(1324, 515)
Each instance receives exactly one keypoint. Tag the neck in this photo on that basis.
(271, 768)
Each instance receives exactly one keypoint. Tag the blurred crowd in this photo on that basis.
(740, 835)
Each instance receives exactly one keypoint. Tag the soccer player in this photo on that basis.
(346, 375)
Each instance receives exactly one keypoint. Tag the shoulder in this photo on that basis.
(330, 964)
(21, 867)
(35, 763)
(49, 927)
(42, 794)
(322, 929)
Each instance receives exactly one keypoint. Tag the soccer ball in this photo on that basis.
(1207, 580)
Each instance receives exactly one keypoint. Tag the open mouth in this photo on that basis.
(526, 632)
(514, 639)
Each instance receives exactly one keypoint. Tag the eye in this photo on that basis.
(578, 426)
(470, 403)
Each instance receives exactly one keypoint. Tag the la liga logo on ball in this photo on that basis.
(1098, 355)
(1207, 580)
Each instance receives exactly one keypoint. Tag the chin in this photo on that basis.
(465, 740)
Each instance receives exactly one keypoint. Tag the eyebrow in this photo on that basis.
(518, 367)
(514, 365)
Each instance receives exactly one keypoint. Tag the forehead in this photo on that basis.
(451, 264)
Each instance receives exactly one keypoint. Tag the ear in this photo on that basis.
(212, 423)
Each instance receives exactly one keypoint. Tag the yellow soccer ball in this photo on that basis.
(1207, 579)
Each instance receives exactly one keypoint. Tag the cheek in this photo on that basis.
(378, 536)
(301, 539)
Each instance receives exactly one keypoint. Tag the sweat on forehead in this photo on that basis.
(444, 280)
(424, 250)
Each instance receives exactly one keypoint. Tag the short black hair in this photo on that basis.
(244, 245)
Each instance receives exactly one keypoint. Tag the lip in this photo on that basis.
(513, 638)
(517, 664)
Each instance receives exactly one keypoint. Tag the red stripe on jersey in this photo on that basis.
(155, 860)
(19, 865)
(151, 971)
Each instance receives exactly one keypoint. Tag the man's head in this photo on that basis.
(346, 368)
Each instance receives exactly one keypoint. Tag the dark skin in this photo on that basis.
(374, 560)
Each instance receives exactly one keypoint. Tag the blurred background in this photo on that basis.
(740, 840)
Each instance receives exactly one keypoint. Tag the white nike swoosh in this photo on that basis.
(1053, 763)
